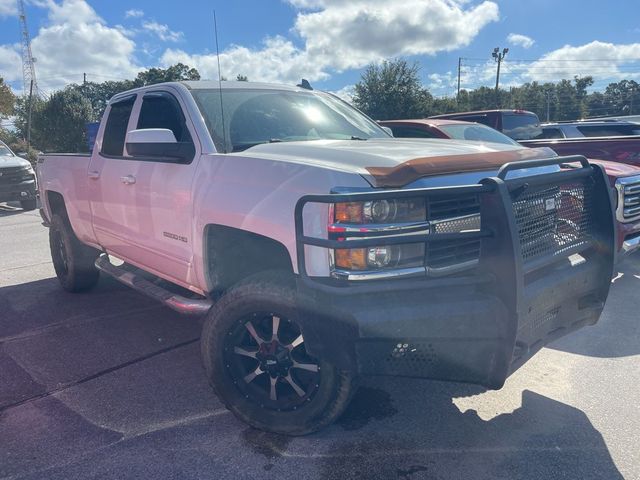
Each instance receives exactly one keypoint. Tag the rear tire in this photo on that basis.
(272, 384)
(72, 260)
(28, 205)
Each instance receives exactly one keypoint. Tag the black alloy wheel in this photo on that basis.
(265, 356)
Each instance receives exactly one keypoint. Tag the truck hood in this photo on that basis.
(398, 162)
(7, 161)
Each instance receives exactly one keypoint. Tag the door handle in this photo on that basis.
(128, 179)
(94, 175)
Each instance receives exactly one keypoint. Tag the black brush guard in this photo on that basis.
(544, 269)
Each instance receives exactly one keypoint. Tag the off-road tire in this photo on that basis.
(271, 292)
(73, 261)
(28, 205)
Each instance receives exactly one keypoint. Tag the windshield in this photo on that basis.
(476, 132)
(252, 117)
(5, 152)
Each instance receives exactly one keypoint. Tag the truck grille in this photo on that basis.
(440, 208)
(553, 219)
(453, 215)
(630, 201)
(446, 253)
(13, 175)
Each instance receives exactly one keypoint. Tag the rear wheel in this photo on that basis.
(28, 204)
(72, 260)
(255, 356)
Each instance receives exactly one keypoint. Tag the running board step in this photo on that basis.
(184, 305)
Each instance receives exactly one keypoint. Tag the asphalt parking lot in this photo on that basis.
(109, 385)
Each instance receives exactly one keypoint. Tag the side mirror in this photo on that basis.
(388, 130)
(159, 144)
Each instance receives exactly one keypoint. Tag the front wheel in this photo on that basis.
(255, 357)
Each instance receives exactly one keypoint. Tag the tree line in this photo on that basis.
(386, 91)
(392, 90)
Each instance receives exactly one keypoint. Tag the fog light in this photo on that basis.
(381, 257)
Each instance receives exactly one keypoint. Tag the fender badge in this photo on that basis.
(173, 236)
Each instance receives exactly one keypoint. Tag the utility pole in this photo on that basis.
(548, 94)
(498, 57)
(459, 68)
(29, 115)
(84, 78)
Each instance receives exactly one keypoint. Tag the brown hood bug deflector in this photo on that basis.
(544, 264)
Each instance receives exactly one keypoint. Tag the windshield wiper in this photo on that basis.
(355, 137)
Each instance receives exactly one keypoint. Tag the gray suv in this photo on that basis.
(609, 128)
(17, 179)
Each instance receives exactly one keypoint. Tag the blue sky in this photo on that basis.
(327, 41)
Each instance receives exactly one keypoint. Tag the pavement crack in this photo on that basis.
(25, 266)
(97, 375)
(72, 323)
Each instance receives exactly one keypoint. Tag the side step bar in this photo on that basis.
(184, 305)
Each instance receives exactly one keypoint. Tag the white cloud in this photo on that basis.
(342, 35)
(133, 13)
(74, 40)
(163, 32)
(345, 35)
(10, 63)
(277, 61)
(8, 8)
(599, 59)
(306, 4)
(520, 40)
(346, 93)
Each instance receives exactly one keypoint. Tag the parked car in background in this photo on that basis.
(524, 127)
(17, 179)
(517, 124)
(442, 128)
(624, 179)
(320, 248)
(590, 128)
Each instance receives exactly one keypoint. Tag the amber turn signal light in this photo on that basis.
(351, 258)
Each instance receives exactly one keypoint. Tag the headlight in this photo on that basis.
(393, 218)
(381, 211)
(391, 215)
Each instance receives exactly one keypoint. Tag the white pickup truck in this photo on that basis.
(320, 248)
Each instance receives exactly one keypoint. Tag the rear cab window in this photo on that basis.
(412, 132)
(521, 126)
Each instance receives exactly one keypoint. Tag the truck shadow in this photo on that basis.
(394, 428)
(431, 438)
(617, 334)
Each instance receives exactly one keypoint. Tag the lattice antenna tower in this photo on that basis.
(28, 62)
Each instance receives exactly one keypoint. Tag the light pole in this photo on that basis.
(498, 57)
